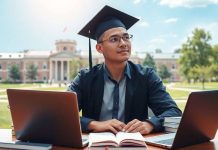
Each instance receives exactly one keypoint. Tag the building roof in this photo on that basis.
(11, 55)
(142, 55)
(82, 54)
(36, 54)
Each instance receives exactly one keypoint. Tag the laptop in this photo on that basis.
(46, 117)
(199, 122)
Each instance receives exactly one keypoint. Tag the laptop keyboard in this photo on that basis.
(166, 142)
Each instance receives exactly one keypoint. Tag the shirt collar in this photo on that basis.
(126, 71)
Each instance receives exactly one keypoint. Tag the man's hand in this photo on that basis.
(138, 126)
(109, 125)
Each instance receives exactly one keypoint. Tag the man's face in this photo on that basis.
(115, 45)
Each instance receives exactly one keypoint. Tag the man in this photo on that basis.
(115, 96)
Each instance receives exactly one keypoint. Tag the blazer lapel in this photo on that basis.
(98, 93)
(130, 88)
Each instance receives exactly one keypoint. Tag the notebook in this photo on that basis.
(199, 122)
(46, 117)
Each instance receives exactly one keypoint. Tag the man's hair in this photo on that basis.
(99, 40)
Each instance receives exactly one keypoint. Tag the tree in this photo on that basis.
(14, 73)
(196, 53)
(177, 51)
(203, 73)
(164, 72)
(31, 72)
(214, 66)
(75, 66)
(149, 61)
(157, 50)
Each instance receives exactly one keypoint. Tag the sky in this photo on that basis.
(164, 24)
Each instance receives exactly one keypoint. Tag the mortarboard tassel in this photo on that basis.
(90, 54)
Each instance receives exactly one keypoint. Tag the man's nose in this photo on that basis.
(122, 42)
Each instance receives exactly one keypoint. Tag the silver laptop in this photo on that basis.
(199, 122)
(46, 117)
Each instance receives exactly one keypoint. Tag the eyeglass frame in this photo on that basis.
(130, 36)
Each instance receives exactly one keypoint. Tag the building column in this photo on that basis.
(68, 70)
(24, 72)
(50, 70)
(56, 70)
(62, 70)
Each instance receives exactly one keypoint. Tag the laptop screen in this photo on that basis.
(45, 117)
(198, 124)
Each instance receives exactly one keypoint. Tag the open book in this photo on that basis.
(118, 140)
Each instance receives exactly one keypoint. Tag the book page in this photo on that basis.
(101, 139)
(5, 135)
(172, 119)
(134, 139)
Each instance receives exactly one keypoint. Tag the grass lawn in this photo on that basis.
(197, 86)
(181, 105)
(5, 116)
(178, 94)
(52, 89)
(3, 93)
(5, 86)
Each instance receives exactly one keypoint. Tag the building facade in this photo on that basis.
(54, 65)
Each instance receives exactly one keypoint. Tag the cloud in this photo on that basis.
(157, 41)
(187, 3)
(213, 26)
(169, 35)
(139, 1)
(171, 20)
(136, 1)
(143, 24)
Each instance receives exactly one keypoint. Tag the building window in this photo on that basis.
(174, 66)
(0, 66)
(65, 48)
(0, 78)
(44, 78)
(44, 66)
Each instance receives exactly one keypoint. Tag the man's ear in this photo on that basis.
(98, 48)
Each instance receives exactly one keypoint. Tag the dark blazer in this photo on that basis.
(143, 90)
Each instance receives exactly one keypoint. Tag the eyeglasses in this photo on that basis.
(117, 38)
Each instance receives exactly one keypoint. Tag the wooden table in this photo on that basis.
(212, 145)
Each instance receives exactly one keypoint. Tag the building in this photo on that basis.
(170, 60)
(54, 65)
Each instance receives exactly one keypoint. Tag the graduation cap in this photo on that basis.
(104, 20)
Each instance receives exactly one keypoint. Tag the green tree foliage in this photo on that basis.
(202, 72)
(214, 66)
(158, 50)
(149, 61)
(75, 66)
(32, 71)
(196, 54)
(177, 51)
(14, 73)
(163, 72)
